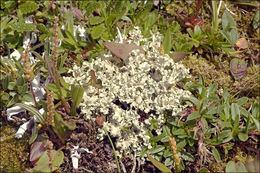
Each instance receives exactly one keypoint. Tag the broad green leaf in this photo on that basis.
(256, 20)
(227, 111)
(63, 83)
(165, 139)
(228, 21)
(5, 82)
(244, 111)
(229, 28)
(28, 7)
(158, 138)
(21, 26)
(13, 100)
(243, 136)
(256, 110)
(166, 130)
(187, 156)
(97, 31)
(158, 164)
(43, 164)
(168, 162)
(91, 7)
(203, 170)
(257, 123)
(178, 132)
(167, 153)
(235, 112)
(197, 31)
(156, 149)
(225, 135)
(194, 115)
(195, 101)
(167, 45)
(42, 28)
(55, 90)
(33, 111)
(95, 20)
(181, 145)
(216, 155)
(235, 167)
(77, 94)
(34, 134)
(212, 89)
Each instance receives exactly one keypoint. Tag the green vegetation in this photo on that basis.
(218, 41)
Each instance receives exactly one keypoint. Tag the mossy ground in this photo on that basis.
(14, 152)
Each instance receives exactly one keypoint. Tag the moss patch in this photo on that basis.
(13, 152)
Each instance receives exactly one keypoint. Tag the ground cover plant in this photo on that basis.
(129, 86)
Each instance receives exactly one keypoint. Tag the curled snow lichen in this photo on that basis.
(134, 94)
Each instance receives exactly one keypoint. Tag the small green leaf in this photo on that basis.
(34, 134)
(228, 21)
(13, 100)
(77, 94)
(235, 167)
(187, 156)
(168, 162)
(97, 31)
(158, 164)
(95, 20)
(203, 170)
(42, 28)
(193, 115)
(5, 82)
(242, 101)
(235, 112)
(243, 136)
(216, 155)
(256, 20)
(178, 131)
(167, 45)
(43, 164)
(195, 101)
(21, 26)
(28, 7)
(156, 149)
(181, 144)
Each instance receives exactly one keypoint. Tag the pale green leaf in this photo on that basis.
(158, 164)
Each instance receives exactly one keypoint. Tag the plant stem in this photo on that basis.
(215, 16)
(117, 164)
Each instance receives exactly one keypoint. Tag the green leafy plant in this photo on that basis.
(13, 86)
(235, 167)
(77, 94)
(229, 26)
(49, 161)
(212, 121)
(28, 7)
(158, 164)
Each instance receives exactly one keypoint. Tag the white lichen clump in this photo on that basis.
(146, 82)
